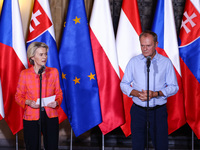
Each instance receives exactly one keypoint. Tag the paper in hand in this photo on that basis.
(46, 100)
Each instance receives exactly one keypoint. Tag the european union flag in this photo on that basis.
(78, 72)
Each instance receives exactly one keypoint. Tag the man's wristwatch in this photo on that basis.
(158, 93)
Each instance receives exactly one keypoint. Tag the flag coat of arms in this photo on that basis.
(164, 27)
(41, 29)
(12, 60)
(189, 49)
(78, 71)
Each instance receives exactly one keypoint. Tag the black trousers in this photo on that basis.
(158, 127)
(50, 131)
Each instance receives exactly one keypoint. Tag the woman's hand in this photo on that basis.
(32, 104)
(53, 104)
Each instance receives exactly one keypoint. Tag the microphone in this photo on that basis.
(148, 61)
(41, 70)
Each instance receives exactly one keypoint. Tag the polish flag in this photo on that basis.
(128, 45)
(106, 65)
(12, 61)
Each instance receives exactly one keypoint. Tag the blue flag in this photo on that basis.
(78, 72)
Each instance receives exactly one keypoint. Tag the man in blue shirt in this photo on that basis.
(162, 84)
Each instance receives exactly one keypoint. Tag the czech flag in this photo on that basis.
(164, 27)
(12, 61)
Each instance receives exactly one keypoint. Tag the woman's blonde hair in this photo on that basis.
(32, 49)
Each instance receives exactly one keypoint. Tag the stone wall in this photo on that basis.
(146, 10)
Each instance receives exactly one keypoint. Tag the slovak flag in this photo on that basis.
(12, 61)
(42, 30)
(189, 49)
(164, 27)
(106, 66)
(128, 45)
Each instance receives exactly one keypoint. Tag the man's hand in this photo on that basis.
(143, 95)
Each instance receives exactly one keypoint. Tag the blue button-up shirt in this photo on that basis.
(162, 77)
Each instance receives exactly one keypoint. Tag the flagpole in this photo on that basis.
(16, 141)
(40, 122)
(192, 140)
(71, 140)
(102, 141)
(147, 121)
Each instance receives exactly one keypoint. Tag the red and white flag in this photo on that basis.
(106, 65)
(128, 45)
(12, 60)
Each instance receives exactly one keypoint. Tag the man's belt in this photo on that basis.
(150, 108)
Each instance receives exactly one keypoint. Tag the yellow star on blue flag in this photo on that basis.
(63, 76)
(76, 20)
(91, 76)
(77, 80)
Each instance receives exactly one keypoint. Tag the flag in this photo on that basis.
(78, 72)
(41, 29)
(164, 27)
(106, 65)
(12, 60)
(128, 45)
(189, 49)
(2, 115)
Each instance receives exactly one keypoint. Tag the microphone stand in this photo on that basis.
(40, 111)
(148, 70)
